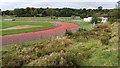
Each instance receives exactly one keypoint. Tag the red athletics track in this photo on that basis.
(36, 35)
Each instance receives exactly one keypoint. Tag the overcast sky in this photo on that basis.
(11, 4)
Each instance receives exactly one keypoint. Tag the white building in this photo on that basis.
(89, 19)
(103, 19)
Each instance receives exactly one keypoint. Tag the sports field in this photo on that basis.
(23, 25)
(29, 24)
(33, 27)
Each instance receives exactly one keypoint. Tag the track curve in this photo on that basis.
(36, 35)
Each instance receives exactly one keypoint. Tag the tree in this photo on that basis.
(66, 12)
(40, 10)
(49, 11)
(94, 20)
(89, 12)
(33, 12)
(114, 15)
(118, 10)
(17, 12)
(7, 12)
(83, 15)
(100, 8)
(85, 11)
(118, 6)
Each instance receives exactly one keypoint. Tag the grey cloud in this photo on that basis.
(12, 5)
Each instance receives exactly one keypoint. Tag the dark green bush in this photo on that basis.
(105, 40)
(81, 30)
(68, 32)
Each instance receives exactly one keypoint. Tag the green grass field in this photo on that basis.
(39, 19)
(11, 24)
(40, 25)
(85, 25)
(40, 22)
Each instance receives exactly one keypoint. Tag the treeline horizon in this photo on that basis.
(62, 12)
(50, 11)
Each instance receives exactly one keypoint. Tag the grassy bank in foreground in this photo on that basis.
(95, 47)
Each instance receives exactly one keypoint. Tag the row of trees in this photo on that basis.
(64, 12)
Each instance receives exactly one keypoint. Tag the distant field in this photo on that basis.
(40, 19)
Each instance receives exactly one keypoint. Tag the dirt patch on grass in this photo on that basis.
(20, 27)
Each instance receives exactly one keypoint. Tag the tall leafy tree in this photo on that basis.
(50, 12)
(100, 8)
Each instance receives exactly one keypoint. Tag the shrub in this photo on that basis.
(54, 17)
(39, 15)
(68, 32)
(81, 30)
(105, 40)
(57, 59)
(85, 34)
